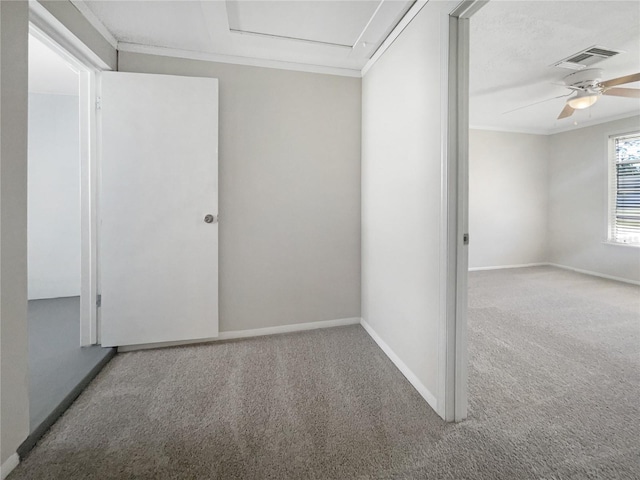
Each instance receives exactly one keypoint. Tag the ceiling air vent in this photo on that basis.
(587, 57)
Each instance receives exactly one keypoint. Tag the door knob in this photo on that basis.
(210, 218)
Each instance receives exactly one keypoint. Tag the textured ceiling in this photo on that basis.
(338, 23)
(513, 44)
(329, 33)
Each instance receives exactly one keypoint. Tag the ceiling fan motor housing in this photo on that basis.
(588, 79)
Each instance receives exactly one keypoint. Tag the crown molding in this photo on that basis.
(236, 60)
(528, 131)
(553, 131)
(395, 33)
(95, 22)
(209, 57)
(591, 123)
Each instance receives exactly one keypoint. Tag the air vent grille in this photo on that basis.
(579, 58)
(603, 52)
(587, 57)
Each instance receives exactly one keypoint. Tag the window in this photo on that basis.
(624, 200)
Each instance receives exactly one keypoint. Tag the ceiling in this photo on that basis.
(513, 44)
(48, 72)
(339, 34)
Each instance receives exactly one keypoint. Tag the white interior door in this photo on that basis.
(159, 179)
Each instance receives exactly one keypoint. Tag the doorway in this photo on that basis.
(63, 353)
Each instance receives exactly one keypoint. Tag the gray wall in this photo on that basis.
(578, 202)
(289, 166)
(508, 198)
(402, 135)
(543, 199)
(54, 196)
(14, 404)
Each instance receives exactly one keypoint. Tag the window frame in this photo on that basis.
(612, 189)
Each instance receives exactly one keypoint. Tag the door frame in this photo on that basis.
(454, 356)
(49, 30)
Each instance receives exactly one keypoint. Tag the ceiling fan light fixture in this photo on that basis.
(583, 100)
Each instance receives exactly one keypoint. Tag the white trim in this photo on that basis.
(609, 199)
(236, 60)
(8, 466)
(500, 267)
(557, 265)
(88, 205)
(611, 187)
(591, 123)
(256, 332)
(595, 274)
(395, 33)
(95, 22)
(445, 372)
(620, 244)
(62, 42)
(461, 204)
(364, 30)
(528, 131)
(413, 379)
(96, 182)
(273, 36)
(456, 195)
(467, 8)
(554, 131)
(73, 49)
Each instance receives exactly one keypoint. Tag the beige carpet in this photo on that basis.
(554, 394)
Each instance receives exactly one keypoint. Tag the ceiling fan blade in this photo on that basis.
(536, 103)
(567, 111)
(634, 77)
(623, 92)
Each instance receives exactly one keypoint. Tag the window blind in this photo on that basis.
(625, 202)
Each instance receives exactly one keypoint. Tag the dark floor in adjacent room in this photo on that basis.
(554, 394)
(57, 363)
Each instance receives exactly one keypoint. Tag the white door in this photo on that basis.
(159, 180)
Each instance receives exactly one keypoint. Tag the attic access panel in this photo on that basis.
(338, 23)
(347, 28)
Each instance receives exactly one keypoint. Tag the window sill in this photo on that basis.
(618, 244)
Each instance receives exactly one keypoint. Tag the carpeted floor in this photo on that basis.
(554, 394)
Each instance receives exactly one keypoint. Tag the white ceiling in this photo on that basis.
(513, 44)
(48, 72)
(327, 22)
(340, 34)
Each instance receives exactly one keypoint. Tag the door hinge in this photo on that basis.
(465, 239)
(99, 301)
(98, 103)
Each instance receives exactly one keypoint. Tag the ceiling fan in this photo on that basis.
(588, 86)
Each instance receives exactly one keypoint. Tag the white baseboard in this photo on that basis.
(8, 466)
(500, 267)
(564, 267)
(256, 332)
(413, 379)
(595, 274)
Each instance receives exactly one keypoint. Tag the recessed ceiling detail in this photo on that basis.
(331, 36)
(337, 23)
